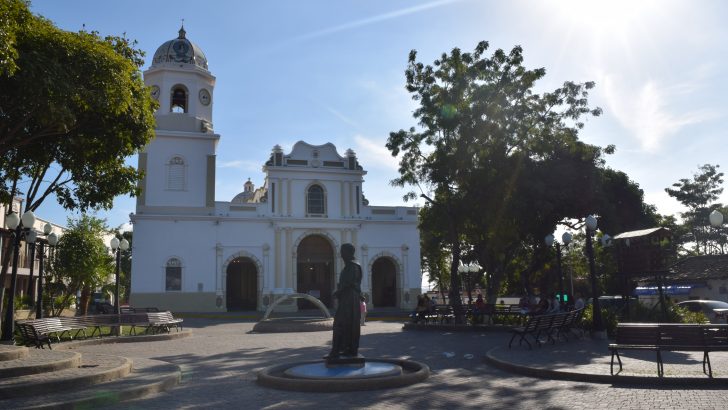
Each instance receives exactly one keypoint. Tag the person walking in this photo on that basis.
(363, 310)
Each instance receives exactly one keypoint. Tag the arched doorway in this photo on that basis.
(242, 285)
(315, 270)
(384, 283)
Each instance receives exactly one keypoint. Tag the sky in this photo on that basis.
(333, 71)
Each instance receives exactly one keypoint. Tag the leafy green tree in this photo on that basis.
(14, 16)
(699, 196)
(73, 107)
(82, 261)
(476, 111)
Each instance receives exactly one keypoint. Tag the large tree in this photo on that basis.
(82, 261)
(73, 107)
(700, 195)
(478, 114)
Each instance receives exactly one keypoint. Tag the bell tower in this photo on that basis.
(179, 164)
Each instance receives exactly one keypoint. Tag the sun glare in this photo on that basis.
(602, 16)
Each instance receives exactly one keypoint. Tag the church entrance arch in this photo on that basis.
(315, 270)
(384, 283)
(242, 284)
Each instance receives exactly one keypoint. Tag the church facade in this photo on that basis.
(193, 253)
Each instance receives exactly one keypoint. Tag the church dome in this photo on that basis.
(180, 50)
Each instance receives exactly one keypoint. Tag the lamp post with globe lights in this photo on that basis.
(566, 240)
(52, 240)
(591, 227)
(117, 247)
(716, 220)
(468, 270)
(19, 225)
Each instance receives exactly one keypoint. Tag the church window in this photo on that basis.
(176, 174)
(173, 275)
(179, 99)
(357, 200)
(315, 200)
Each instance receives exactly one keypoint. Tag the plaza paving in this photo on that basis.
(222, 357)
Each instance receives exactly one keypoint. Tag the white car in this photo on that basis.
(715, 310)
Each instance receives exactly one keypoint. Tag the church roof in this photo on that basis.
(180, 50)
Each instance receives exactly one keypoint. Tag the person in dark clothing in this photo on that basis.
(348, 315)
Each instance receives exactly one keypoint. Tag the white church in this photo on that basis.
(193, 253)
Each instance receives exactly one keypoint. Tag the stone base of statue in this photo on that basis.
(357, 360)
(344, 373)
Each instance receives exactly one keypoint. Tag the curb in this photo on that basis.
(57, 385)
(72, 360)
(12, 352)
(642, 381)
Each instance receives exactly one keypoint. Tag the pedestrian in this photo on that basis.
(363, 309)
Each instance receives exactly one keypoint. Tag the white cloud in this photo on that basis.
(341, 116)
(372, 152)
(650, 113)
(241, 164)
(375, 19)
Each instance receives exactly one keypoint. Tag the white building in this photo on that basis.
(192, 253)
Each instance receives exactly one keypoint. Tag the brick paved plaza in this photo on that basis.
(220, 361)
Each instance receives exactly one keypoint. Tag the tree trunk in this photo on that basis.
(82, 305)
(455, 302)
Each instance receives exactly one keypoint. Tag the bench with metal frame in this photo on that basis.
(661, 337)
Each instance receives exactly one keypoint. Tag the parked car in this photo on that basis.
(715, 310)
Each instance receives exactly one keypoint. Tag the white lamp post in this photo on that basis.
(566, 239)
(118, 246)
(52, 240)
(468, 270)
(716, 220)
(591, 226)
(17, 224)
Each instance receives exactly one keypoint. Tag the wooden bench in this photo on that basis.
(506, 313)
(162, 321)
(553, 326)
(40, 331)
(661, 337)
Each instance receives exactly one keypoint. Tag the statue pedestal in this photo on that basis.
(353, 361)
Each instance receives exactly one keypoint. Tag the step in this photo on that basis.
(39, 361)
(147, 377)
(12, 352)
(94, 369)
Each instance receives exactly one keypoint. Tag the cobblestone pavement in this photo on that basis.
(221, 359)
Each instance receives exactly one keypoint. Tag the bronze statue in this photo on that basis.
(346, 321)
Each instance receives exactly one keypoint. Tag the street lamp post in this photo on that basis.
(468, 271)
(118, 246)
(716, 220)
(30, 239)
(591, 226)
(18, 224)
(52, 240)
(566, 239)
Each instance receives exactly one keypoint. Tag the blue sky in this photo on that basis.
(333, 71)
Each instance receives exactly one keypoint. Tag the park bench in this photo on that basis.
(661, 337)
(552, 326)
(162, 321)
(40, 331)
(507, 313)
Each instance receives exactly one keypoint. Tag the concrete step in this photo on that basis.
(12, 352)
(94, 369)
(146, 378)
(39, 361)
